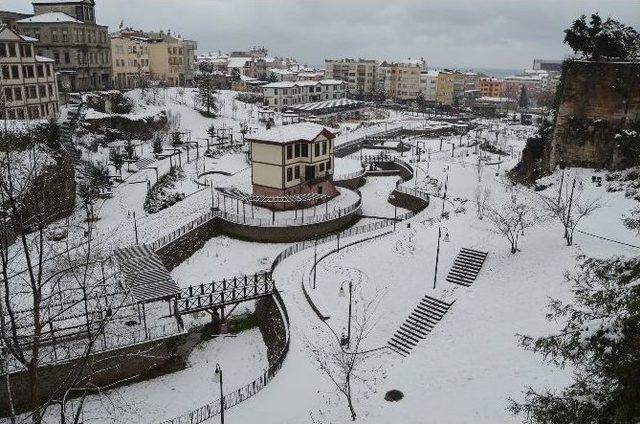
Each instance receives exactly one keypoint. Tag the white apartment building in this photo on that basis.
(429, 85)
(279, 95)
(28, 87)
(359, 74)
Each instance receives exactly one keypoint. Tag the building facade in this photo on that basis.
(293, 160)
(429, 85)
(129, 59)
(359, 74)
(450, 87)
(490, 87)
(280, 95)
(403, 80)
(67, 33)
(28, 88)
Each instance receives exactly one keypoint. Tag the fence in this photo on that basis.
(55, 355)
(356, 141)
(257, 222)
(232, 399)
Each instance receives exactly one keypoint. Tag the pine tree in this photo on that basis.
(600, 340)
(157, 144)
(523, 101)
(206, 95)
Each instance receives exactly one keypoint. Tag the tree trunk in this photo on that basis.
(349, 401)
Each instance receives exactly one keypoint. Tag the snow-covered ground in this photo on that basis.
(464, 371)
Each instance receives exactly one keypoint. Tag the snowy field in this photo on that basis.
(464, 371)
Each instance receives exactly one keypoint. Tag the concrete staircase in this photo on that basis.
(466, 267)
(418, 325)
(68, 126)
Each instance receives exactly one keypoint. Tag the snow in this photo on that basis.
(302, 131)
(464, 371)
(49, 17)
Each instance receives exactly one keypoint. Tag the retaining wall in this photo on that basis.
(105, 368)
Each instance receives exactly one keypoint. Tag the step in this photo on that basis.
(464, 279)
(464, 271)
(442, 302)
(444, 307)
(427, 311)
(424, 319)
(416, 329)
(460, 276)
(401, 342)
(475, 252)
(408, 335)
(418, 324)
(398, 349)
(467, 260)
(461, 283)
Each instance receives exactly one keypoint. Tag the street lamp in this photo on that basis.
(446, 187)
(135, 223)
(446, 240)
(392, 200)
(217, 378)
(341, 293)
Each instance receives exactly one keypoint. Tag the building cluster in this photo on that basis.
(411, 80)
(61, 47)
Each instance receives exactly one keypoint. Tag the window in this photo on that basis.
(17, 93)
(3, 50)
(42, 89)
(289, 151)
(67, 57)
(6, 74)
(324, 147)
(297, 150)
(27, 72)
(305, 150)
(321, 167)
(328, 165)
(56, 57)
(289, 174)
(15, 72)
(297, 172)
(32, 92)
(12, 50)
(8, 94)
(316, 149)
(40, 71)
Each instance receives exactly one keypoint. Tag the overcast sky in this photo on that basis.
(463, 33)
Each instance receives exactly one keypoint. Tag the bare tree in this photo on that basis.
(569, 205)
(511, 217)
(482, 197)
(347, 367)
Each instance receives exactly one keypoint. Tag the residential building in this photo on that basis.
(450, 87)
(534, 82)
(129, 58)
(28, 88)
(293, 160)
(279, 95)
(403, 80)
(490, 87)
(166, 58)
(67, 32)
(429, 85)
(359, 74)
(189, 63)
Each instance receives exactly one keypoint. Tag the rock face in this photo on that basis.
(595, 100)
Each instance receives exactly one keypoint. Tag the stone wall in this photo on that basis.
(594, 101)
(183, 247)
(141, 361)
(272, 327)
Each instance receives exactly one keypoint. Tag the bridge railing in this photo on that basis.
(226, 284)
(231, 295)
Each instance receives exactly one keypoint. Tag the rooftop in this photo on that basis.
(49, 17)
(303, 131)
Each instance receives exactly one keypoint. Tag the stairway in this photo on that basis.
(418, 325)
(466, 267)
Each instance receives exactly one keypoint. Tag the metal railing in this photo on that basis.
(232, 399)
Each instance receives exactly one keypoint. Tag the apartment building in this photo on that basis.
(429, 85)
(28, 88)
(359, 74)
(67, 32)
(490, 87)
(166, 58)
(279, 95)
(450, 87)
(402, 81)
(129, 58)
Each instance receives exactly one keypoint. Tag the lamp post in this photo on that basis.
(135, 224)
(217, 378)
(315, 262)
(392, 199)
(341, 293)
(446, 240)
(446, 187)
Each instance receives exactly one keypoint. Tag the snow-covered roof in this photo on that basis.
(43, 59)
(238, 62)
(303, 131)
(326, 104)
(49, 17)
(331, 82)
(281, 84)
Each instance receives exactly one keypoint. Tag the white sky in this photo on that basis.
(464, 33)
